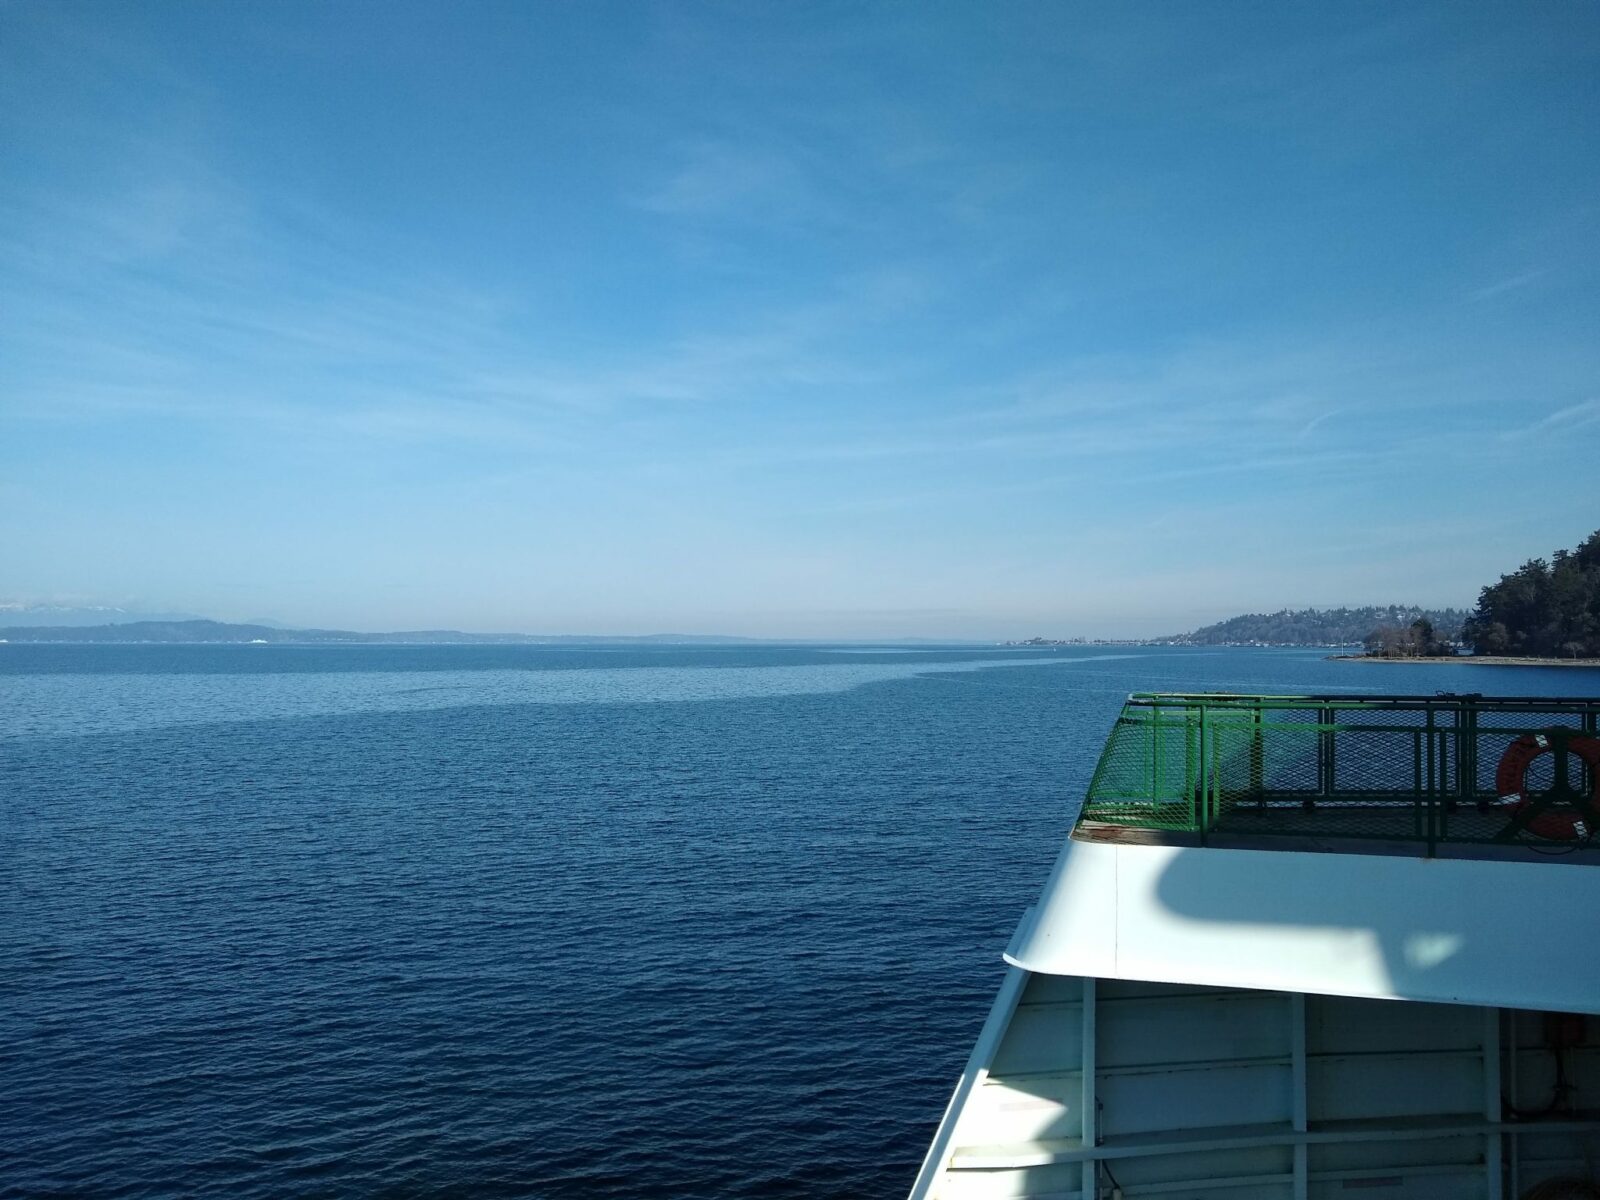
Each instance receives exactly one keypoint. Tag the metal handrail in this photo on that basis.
(1410, 769)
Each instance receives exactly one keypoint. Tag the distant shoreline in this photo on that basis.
(1484, 660)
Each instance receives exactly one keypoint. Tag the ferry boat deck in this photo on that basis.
(1299, 946)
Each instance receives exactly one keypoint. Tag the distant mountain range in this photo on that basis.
(18, 616)
(196, 630)
(1320, 626)
(1300, 627)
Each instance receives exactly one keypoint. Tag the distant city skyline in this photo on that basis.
(882, 320)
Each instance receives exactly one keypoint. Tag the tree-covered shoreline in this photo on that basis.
(1542, 609)
(1322, 626)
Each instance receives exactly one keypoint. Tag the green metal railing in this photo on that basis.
(1422, 770)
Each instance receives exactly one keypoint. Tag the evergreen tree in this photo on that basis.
(1545, 609)
(1322, 626)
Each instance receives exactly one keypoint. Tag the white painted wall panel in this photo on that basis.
(1344, 1025)
(1373, 1086)
(1217, 1096)
(1378, 1156)
(1193, 1029)
(1260, 1161)
(1461, 1185)
(1039, 1108)
(1054, 1181)
(1040, 1040)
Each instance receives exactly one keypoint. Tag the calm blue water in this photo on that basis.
(396, 921)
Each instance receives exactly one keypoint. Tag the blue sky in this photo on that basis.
(794, 320)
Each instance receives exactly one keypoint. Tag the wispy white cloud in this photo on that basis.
(255, 319)
(951, 328)
(1583, 415)
(1510, 284)
(1311, 426)
(717, 178)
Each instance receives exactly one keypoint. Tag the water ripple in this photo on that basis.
(66, 704)
(670, 930)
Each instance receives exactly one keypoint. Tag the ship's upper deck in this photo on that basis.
(1432, 776)
(1414, 834)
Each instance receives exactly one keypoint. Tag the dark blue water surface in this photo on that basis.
(419, 921)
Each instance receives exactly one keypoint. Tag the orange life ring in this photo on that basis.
(1510, 782)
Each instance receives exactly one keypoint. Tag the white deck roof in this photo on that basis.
(1506, 934)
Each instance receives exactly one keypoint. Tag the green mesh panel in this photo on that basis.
(1396, 769)
(1147, 773)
